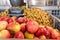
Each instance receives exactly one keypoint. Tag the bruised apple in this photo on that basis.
(32, 26)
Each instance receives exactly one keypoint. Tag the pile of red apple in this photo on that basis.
(12, 27)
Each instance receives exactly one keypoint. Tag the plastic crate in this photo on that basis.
(55, 15)
(54, 12)
(56, 21)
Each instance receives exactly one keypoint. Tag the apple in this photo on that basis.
(36, 38)
(12, 36)
(32, 26)
(9, 20)
(21, 20)
(15, 27)
(59, 35)
(54, 34)
(19, 35)
(40, 31)
(2, 18)
(49, 28)
(28, 35)
(14, 19)
(42, 37)
(23, 27)
(4, 34)
(46, 33)
(3, 25)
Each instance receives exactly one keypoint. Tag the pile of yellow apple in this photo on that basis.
(23, 28)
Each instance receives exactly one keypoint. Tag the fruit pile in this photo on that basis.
(23, 28)
(36, 14)
(5, 13)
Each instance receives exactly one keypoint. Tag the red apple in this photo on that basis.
(9, 20)
(21, 20)
(23, 27)
(3, 25)
(4, 34)
(59, 35)
(54, 34)
(49, 28)
(36, 38)
(39, 32)
(46, 33)
(2, 18)
(32, 26)
(19, 35)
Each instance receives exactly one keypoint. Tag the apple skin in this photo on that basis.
(32, 26)
(22, 20)
(46, 33)
(42, 37)
(2, 18)
(5, 34)
(15, 27)
(39, 32)
(49, 28)
(14, 18)
(54, 34)
(3, 25)
(19, 35)
(59, 35)
(36, 38)
(28, 35)
(23, 27)
(9, 20)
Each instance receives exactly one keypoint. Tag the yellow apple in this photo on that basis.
(4, 34)
(15, 27)
(3, 25)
